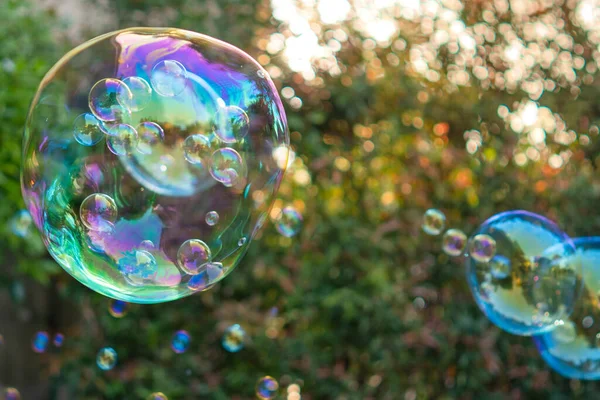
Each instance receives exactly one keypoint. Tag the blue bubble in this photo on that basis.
(529, 281)
(118, 308)
(266, 388)
(234, 338)
(59, 340)
(180, 342)
(106, 358)
(40, 342)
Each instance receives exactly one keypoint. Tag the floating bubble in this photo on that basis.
(521, 272)
(180, 342)
(118, 308)
(232, 124)
(21, 223)
(193, 255)
(587, 322)
(266, 388)
(288, 222)
(212, 218)
(149, 135)
(98, 212)
(59, 340)
(157, 396)
(226, 165)
(87, 129)
(11, 393)
(122, 139)
(153, 88)
(169, 78)
(482, 248)
(138, 95)
(242, 241)
(234, 338)
(106, 358)
(40, 342)
(454, 242)
(197, 149)
(434, 222)
(104, 99)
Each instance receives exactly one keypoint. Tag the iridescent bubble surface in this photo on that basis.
(11, 393)
(529, 282)
(197, 149)
(454, 242)
(58, 340)
(234, 338)
(157, 396)
(434, 222)
(106, 358)
(40, 342)
(266, 388)
(289, 222)
(87, 129)
(180, 342)
(193, 256)
(212, 218)
(118, 308)
(573, 347)
(154, 194)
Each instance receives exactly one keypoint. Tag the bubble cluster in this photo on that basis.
(10, 393)
(267, 388)
(234, 338)
(434, 222)
(190, 126)
(521, 272)
(40, 342)
(106, 358)
(118, 308)
(180, 341)
(20, 224)
(454, 242)
(289, 222)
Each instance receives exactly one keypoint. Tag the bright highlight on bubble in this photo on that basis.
(266, 388)
(234, 338)
(106, 358)
(190, 125)
(521, 272)
(454, 242)
(40, 342)
(434, 222)
(180, 342)
(118, 308)
(289, 222)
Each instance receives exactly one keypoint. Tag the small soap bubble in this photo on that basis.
(157, 396)
(210, 273)
(98, 212)
(122, 139)
(500, 267)
(104, 99)
(226, 165)
(482, 248)
(242, 241)
(138, 265)
(21, 223)
(138, 96)
(197, 149)
(40, 342)
(58, 340)
(106, 358)
(232, 124)
(193, 255)
(118, 308)
(454, 242)
(169, 78)
(288, 222)
(266, 388)
(149, 134)
(212, 218)
(180, 341)
(234, 338)
(147, 245)
(587, 322)
(11, 393)
(434, 222)
(87, 129)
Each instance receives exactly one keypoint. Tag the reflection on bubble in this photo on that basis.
(157, 396)
(149, 134)
(40, 342)
(138, 265)
(106, 358)
(11, 393)
(104, 99)
(118, 308)
(564, 332)
(169, 78)
(138, 95)
(193, 255)
(98, 212)
(288, 222)
(242, 241)
(197, 149)
(434, 222)
(210, 274)
(226, 165)
(232, 124)
(234, 338)
(454, 242)
(521, 272)
(266, 388)
(122, 139)
(180, 341)
(59, 340)
(21, 223)
(212, 218)
(87, 129)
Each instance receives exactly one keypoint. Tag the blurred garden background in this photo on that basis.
(394, 107)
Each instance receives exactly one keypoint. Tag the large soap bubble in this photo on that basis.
(573, 347)
(521, 272)
(179, 133)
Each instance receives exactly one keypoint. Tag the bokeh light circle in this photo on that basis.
(40, 342)
(267, 388)
(11, 393)
(180, 341)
